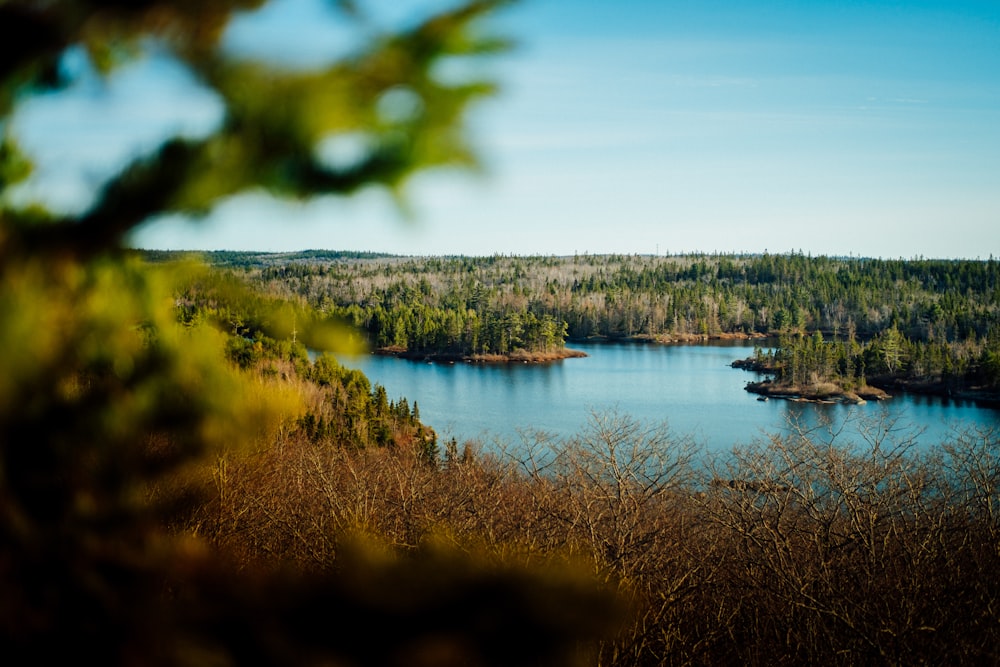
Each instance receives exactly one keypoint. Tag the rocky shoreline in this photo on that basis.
(819, 393)
(876, 389)
(669, 339)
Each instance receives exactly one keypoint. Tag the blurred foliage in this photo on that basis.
(112, 400)
(213, 297)
(386, 99)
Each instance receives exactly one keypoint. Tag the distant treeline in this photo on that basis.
(623, 295)
(245, 258)
(945, 313)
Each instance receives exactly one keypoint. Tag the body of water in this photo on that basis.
(691, 387)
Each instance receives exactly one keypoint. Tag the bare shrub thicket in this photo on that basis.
(806, 547)
(856, 552)
(620, 492)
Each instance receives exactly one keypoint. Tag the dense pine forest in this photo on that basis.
(927, 325)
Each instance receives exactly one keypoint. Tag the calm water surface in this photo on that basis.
(691, 387)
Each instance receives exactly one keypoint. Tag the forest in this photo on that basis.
(839, 323)
(188, 476)
(803, 547)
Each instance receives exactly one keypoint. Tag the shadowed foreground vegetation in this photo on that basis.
(804, 548)
(116, 408)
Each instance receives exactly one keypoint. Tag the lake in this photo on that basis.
(691, 387)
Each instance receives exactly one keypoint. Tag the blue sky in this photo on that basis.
(864, 128)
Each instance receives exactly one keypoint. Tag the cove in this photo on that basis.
(690, 387)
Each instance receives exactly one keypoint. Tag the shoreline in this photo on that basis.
(518, 356)
(669, 339)
(876, 389)
(823, 393)
(938, 388)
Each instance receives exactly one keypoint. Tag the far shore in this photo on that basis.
(670, 338)
(524, 356)
(517, 356)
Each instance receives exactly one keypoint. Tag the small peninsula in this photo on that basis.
(810, 368)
